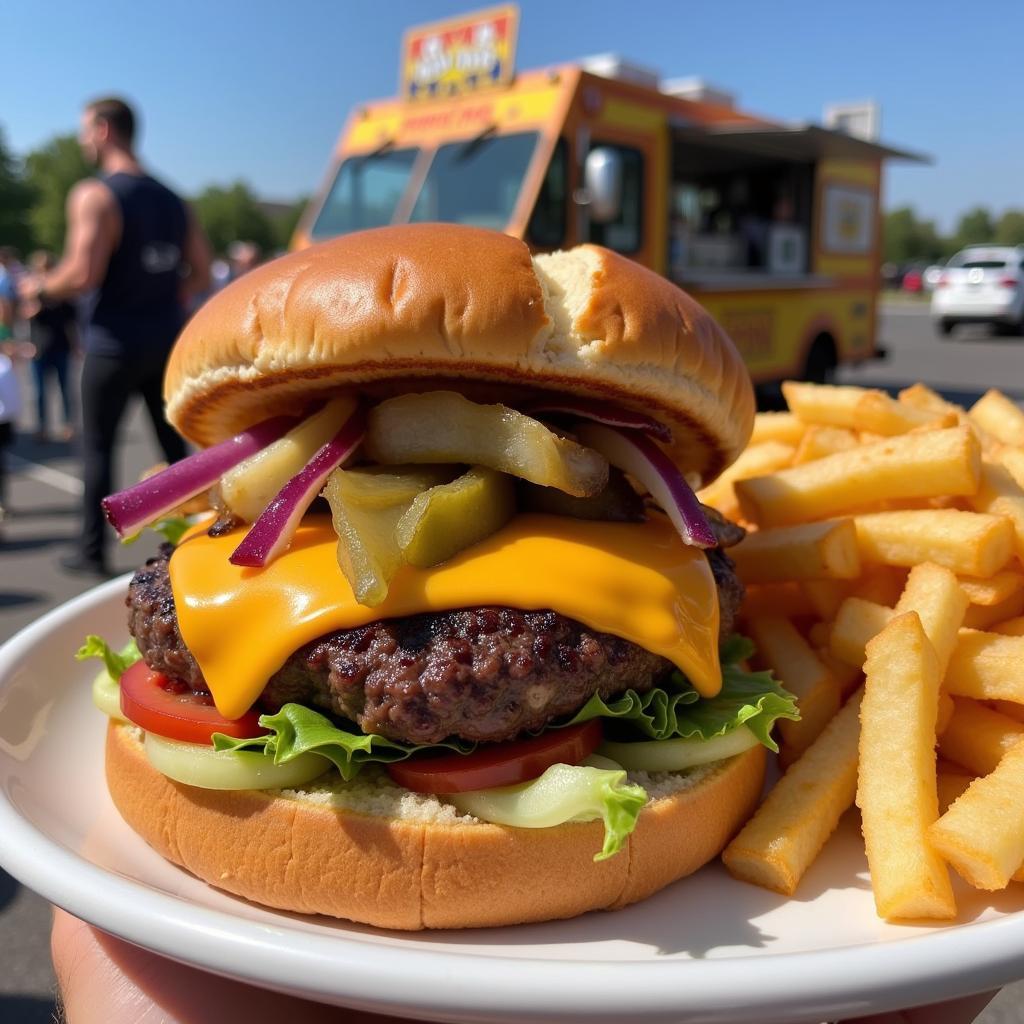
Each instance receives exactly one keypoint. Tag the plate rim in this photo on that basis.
(845, 979)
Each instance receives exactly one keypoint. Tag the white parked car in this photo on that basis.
(982, 284)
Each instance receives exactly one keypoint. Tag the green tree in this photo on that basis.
(15, 202)
(284, 223)
(233, 214)
(908, 239)
(50, 172)
(973, 228)
(1010, 228)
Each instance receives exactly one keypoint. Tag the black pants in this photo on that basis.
(108, 382)
(6, 438)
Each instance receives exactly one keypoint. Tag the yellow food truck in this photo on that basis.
(774, 227)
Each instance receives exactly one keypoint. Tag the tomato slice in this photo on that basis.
(500, 764)
(157, 704)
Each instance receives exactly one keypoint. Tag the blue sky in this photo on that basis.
(259, 90)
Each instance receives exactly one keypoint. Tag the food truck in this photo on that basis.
(774, 227)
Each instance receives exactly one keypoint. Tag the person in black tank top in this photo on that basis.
(136, 247)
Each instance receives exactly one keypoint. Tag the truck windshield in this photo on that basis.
(476, 182)
(365, 192)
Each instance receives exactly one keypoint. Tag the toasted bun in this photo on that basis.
(298, 854)
(413, 307)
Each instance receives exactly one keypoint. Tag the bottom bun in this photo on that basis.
(371, 852)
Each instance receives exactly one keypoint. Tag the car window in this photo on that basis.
(365, 192)
(546, 229)
(477, 181)
(625, 233)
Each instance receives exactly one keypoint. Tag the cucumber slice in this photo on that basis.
(676, 755)
(106, 695)
(196, 764)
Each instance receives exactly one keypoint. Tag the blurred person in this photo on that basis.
(53, 332)
(242, 257)
(10, 410)
(140, 247)
(104, 980)
(8, 292)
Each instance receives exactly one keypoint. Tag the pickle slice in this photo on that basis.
(617, 503)
(443, 426)
(367, 550)
(444, 520)
(248, 488)
(387, 486)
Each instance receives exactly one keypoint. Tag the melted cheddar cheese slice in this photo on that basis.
(637, 581)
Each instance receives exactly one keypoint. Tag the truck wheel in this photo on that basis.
(822, 360)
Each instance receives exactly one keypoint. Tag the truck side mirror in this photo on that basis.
(602, 184)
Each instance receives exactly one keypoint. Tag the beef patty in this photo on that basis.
(485, 674)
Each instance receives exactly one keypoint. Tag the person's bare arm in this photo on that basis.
(197, 257)
(91, 236)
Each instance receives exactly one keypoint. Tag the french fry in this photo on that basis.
(882, 584)
(857, 623)
(847, 677)
(982, 834)
(855, 408)
(982, 617)
(1013, 460)
(987, 666)
(977, 737)
(945, 713)
(951, 785)
(935, 594)
(1011, 627)
(807, 552)
(775, 848)
(827, 595)
(818, 634)
(785, 599)
(993, 590)
(820, 441)
(896, 787)
(920, 396)
(968, 543)
(999, 494)
(1008, 708)
(781, 647)
(922, 465)
(754, 461)
(777, 426)
(1000, 417)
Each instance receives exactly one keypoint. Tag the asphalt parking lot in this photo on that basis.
(45, 489)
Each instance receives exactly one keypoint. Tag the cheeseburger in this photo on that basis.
(454, 645)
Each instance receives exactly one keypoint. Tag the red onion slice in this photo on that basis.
(128, 511)
(643, 460)
(272, 533)
(607, 413)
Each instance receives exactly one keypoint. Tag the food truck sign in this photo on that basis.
(461, 55)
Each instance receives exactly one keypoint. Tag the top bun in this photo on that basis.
(415, 307)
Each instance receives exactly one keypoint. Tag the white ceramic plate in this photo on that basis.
(706, 949)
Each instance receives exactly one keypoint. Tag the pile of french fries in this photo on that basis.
(885, 576)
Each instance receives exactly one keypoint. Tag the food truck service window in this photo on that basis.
(365, 192)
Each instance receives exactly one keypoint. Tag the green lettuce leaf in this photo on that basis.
(172, 529)
(116, 662)
(753, 699)
(563, 793)
(296, 729)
